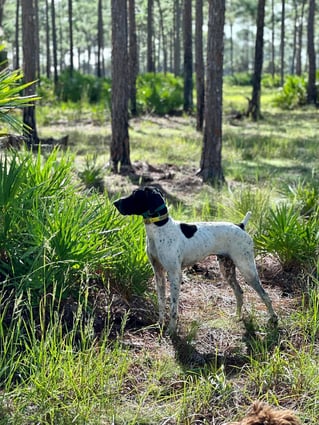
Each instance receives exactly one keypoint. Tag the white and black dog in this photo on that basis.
(172, 245)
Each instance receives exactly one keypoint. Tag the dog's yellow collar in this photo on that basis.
(151, 220)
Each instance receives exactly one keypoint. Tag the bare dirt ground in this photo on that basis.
(208, 328)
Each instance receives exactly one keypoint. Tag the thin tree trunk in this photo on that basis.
(199, 64)
(47, 40)
(54, 43)
(37, 41)
(311, 88)
(29, 65)
(100, 44)
(188, 57)
(70, 12)
(177, 38)
(259, 52)
(211, 159)
(272, 40)
(299, 40)
(164, 47)
(120, 147)
(133, 56)
(282, 43)
(150, 36)
(17, 41)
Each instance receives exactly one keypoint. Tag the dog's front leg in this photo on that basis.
(160, 283)
(174, 278)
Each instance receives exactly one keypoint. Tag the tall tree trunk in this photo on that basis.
(259, 52)
(37, 40)
(177, 38)
(133, 56)
(272, 40)
(211, 159)
(17, 41)
(3, 52)
(120, 147)
(311, 88)
(294, 41)
(282, 42)
(299, 39)
(150, 36)
(47, 39)
(199, 64)
(163, 37)
(70, 17)
(54, 44)
(188, 57)
(29, 65)
(100, 40)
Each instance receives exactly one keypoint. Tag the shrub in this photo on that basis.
(290, 236)
(51, 235)
(240, 79)
(159, 93)
(269, 81)
(305, 196)
(80, 86)
(293, 93)
(92, 175)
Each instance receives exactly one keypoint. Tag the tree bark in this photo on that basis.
(120, 147)
(211, 159)
(282, 43)
(133, 56)
(54, 43)
(150, 36)
(3, 52)
(259, 53)
(47, 39)
(188, 57)
(177, 38)
(29, 65)
(70, 17)
(311, 88)
(199, 64)
(100, 39)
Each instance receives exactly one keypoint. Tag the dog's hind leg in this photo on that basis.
(249, 271)
(228, 270)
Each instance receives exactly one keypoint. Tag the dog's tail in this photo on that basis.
(244, 222)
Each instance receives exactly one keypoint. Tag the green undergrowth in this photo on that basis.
(62, 240)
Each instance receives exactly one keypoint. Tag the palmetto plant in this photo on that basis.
(11, 87)
(290, 236)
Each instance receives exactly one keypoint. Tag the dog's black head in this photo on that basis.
(146, 201)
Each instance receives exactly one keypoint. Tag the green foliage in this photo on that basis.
(77, 87)
(242, 200)
(269, 81)
(293, 93)
(305, 196)
(61, 234)
(11, 86)
(240, 79)
(291, 237)
(159, 93)
(92, 174)
(132, 269)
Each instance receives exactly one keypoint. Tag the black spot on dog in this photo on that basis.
(188, 229)
(241, 225)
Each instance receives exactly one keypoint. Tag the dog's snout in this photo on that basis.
(117, 204)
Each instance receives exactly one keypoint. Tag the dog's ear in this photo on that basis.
(153, 189)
